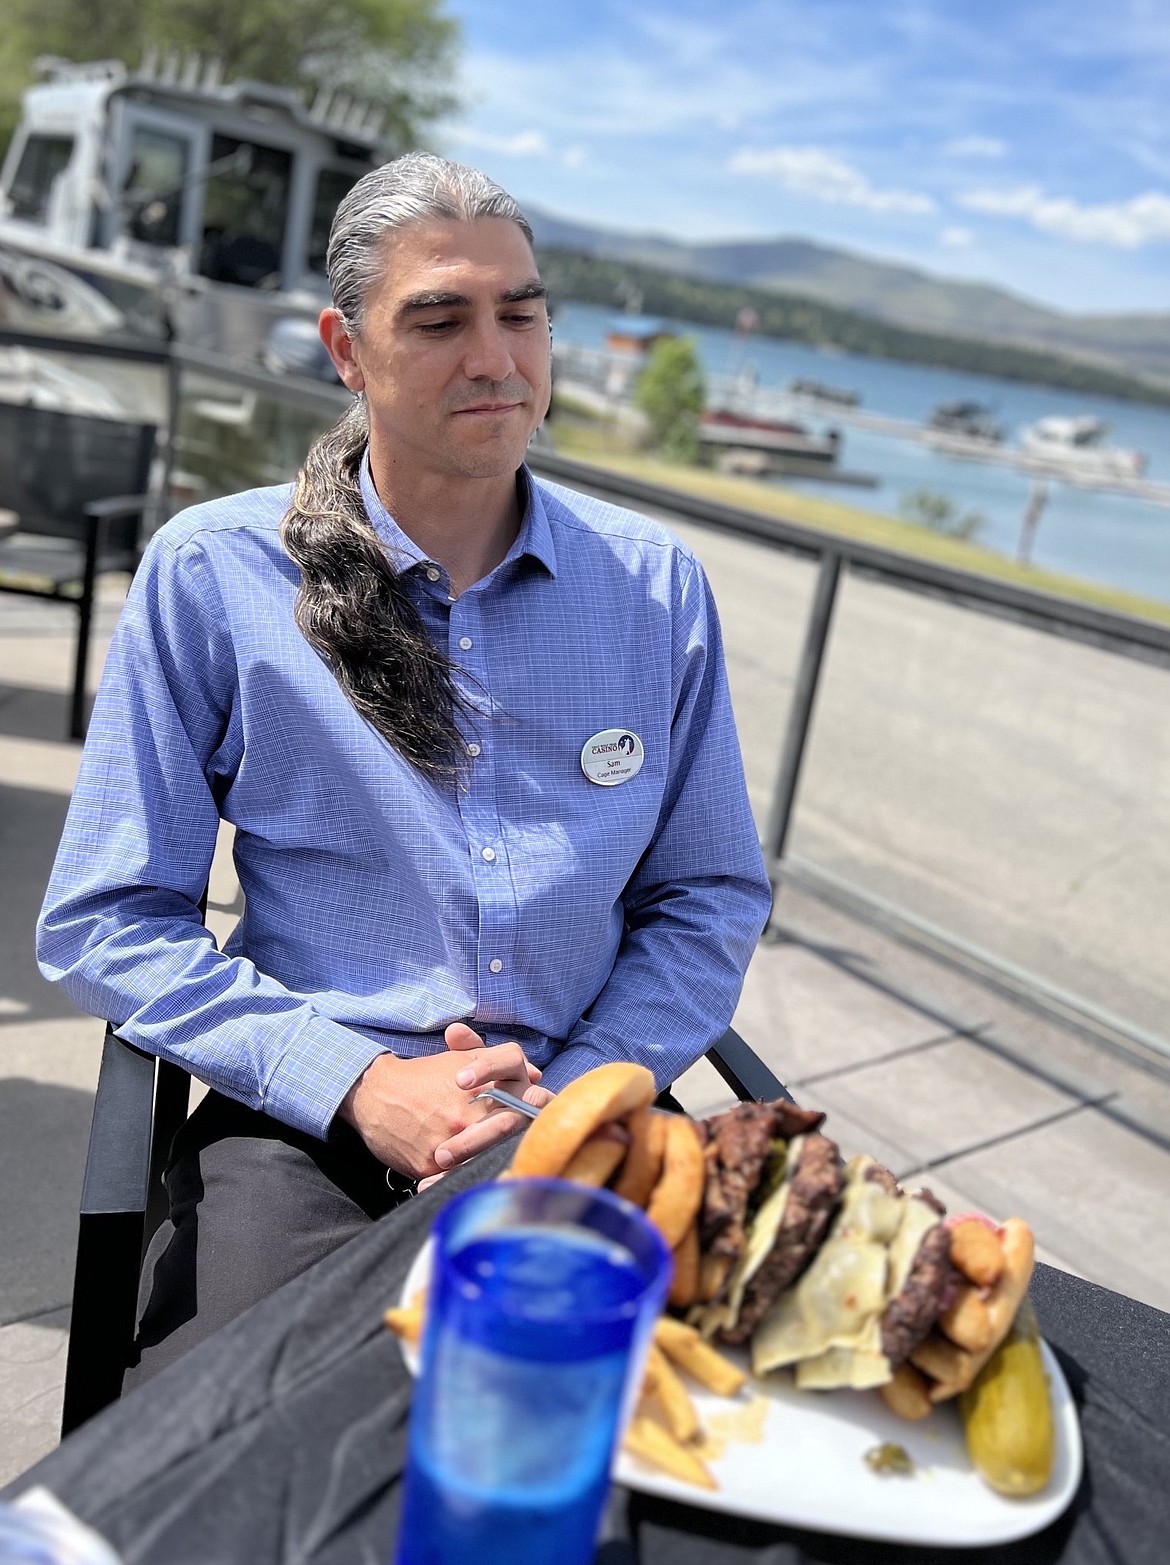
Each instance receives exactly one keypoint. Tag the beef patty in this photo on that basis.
(814, 1189)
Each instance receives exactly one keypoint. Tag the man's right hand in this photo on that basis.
(404, 1109)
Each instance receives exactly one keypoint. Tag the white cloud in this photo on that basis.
(975, 147)
(813, 171)
(955, 238)
(574, 157)
(1127, 225)
(672, 80)
(525, 144)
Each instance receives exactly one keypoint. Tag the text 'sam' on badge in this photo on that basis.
(613, 756)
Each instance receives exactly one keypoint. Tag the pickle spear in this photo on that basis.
(1007, 1413)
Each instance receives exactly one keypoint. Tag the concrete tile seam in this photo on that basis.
(877, 1059)
(1050, 1078)
(35, 1315)
(777, 934)
(976, 1033)
(1123, 1047)
(1023, 1061)
(1008, 1135)
(1135, 1127)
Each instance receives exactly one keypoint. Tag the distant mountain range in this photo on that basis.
(885, 291)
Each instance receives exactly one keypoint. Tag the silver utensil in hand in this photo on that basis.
(508, 1100)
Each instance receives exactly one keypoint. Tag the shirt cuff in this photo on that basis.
(313, 1075)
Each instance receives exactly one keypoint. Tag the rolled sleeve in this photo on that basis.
(121, 928)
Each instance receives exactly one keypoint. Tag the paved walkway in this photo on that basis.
(968, 1092)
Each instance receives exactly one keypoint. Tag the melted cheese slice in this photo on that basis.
(860, 1368)
(839, 1299)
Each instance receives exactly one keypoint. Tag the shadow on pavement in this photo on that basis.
(29, 713)
(44, 1132)
(30, 828)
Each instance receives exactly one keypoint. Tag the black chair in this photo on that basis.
(78, 486)
(140, 1104)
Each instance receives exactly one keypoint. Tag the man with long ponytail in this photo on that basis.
(473, 734)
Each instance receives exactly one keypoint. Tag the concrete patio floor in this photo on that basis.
(952, 1086)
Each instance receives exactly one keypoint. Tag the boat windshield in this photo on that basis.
(332, 185)
(154, 186)
(245, 206)
(42, 160)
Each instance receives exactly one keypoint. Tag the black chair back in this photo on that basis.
(52, 464)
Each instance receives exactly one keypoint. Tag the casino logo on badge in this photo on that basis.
(611, 757)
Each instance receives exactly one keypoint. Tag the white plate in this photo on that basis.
(806, 1468)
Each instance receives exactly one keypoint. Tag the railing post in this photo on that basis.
(174, 379)
(800, 713)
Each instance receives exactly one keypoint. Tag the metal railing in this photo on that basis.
(1123, 634)
(835, 557)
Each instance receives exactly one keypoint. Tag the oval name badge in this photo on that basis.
(613, 756)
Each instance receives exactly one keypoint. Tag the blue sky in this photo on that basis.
(1027, 144)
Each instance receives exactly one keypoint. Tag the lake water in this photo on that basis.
(1102, 537)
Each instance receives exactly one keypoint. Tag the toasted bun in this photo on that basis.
(678, 1195)
(954, 1368)
(553, 1139)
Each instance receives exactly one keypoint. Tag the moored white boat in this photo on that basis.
(1074, 448)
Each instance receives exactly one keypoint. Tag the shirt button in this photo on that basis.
(495, 965)
(473, 749)
(490, 855)
(465, 643)
(433, 574)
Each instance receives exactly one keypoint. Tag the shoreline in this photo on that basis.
(587, 443)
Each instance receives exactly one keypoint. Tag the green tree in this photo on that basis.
(671, 392)
(928, 508)
(396, 54)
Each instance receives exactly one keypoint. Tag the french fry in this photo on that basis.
(407, 1321)
(643, 1162)
(684, 1284)
(683, 1345)
(713, 1273)
(908, 1394)
(967, 1322)
(681, 1418)
(651, 1443)
(595, 1162)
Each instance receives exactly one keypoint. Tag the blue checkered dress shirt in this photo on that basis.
(589, 923)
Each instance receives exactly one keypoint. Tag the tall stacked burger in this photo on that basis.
(813, 1264)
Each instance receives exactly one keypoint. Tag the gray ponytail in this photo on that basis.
(352, 607)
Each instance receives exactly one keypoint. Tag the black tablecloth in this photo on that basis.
(282, 1438)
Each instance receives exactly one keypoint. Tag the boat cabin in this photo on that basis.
(168, 170)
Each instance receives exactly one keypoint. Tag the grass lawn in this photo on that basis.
(587, 442)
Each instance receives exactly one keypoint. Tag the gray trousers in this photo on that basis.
(253, 1203)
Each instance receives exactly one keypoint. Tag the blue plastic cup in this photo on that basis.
(543, 1299)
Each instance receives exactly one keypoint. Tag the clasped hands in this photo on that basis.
(417, 1116)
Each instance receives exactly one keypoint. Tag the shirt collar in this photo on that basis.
(534, 538)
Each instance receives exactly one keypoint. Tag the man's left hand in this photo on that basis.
(498, 1122)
